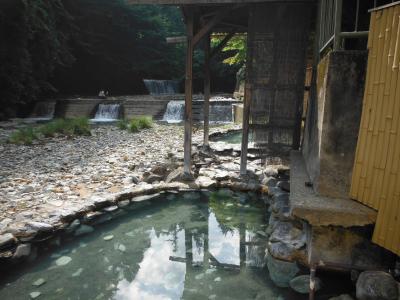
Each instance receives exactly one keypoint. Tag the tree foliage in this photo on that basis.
(56, 47)
(235, 50)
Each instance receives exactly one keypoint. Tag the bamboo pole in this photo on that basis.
(188, 96)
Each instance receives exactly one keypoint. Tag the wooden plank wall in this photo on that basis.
(277, 44)
(376, 173)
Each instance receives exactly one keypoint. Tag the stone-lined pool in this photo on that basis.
(180, 246)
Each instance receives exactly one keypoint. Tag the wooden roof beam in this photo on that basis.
(221, 13)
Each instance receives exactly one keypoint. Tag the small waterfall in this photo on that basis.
(44, 110)
(107, 112)
(161, 87)
(175, 111)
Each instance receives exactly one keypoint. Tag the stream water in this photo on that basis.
(183, 246)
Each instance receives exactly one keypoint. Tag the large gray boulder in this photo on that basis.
(301, 284)
(281, 272)
(376, 285)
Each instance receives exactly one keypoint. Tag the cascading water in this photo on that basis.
(175, 111)
(107, 112)
(220, 111)
(44, 111)
(161, 87)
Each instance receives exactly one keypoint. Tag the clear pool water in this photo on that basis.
(183, 246)
(234, 137)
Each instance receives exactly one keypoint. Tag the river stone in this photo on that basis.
(22, 250)
(63, 260)
(27, 189)
(134, 179)
(269, 181)
(108, 237)
(342, 297)
(83, 229)
(176, 175)
(270, 171)
(78, 272)
(39, 282)
(205, 182)
(73, 226)
(281, 272)
(34, 295)
(40, 226)
(284, 185)
(288, 234)
(152, 178)
(301, 284)
(160, 170)
(111, 208)
(282, 251)
(6, 240)
(376, 285)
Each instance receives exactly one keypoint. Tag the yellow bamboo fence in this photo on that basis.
(376, 178)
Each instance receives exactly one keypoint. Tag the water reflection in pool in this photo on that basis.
(182, 248)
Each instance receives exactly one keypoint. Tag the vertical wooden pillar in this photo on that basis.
(188, 95)
(245, 129)
(206, 89)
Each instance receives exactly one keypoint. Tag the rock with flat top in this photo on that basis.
(6, 240)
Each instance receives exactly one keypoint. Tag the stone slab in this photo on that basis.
(320, 210)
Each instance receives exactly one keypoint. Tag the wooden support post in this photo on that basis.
(206, 90)
(188, 95)
(245, 129)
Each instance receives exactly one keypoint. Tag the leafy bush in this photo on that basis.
(23, 136)
(70, 127)
(50, 129)
(77, 126)
(134, 125)
(145, 122)
(123, 124)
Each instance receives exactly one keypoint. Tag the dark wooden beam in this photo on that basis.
(188, 93)
(207, 89)
(207, 27)
(222, 44)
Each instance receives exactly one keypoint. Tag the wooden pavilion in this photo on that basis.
(277, 39)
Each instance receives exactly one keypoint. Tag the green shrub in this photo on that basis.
(23, 136)
(77, 126)
(123, 124)
(71, 127)
(50, 129)
(145, 122)
(134, 125)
